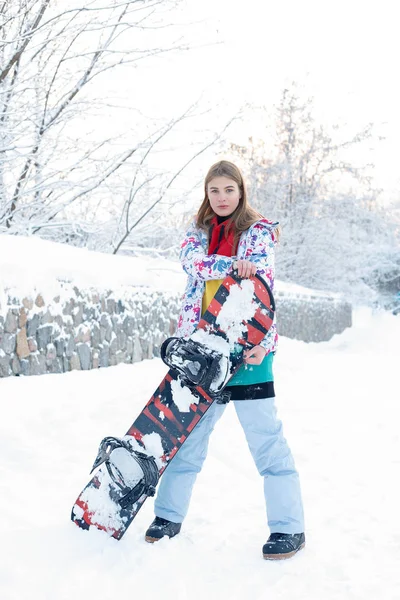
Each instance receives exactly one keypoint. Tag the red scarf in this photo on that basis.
(219, 242)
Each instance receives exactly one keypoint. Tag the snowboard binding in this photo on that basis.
(196, 364)
(133, 472)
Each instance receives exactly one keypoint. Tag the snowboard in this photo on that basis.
(128, 468)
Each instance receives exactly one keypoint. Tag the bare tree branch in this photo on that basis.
(28, 36)
(184, 166)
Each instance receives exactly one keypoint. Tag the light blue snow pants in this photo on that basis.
(271, 455)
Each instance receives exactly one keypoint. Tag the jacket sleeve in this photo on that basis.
(271, 339)
(197, 263)
(260, 250)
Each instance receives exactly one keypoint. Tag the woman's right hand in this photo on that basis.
(245, 268)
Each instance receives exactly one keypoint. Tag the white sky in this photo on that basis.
(344, 53)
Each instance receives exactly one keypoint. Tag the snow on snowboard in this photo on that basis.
(238, 317)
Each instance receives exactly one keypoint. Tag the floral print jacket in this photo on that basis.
(256, 244)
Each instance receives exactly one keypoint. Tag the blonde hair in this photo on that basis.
(243, 217)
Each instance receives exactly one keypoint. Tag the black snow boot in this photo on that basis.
(161, 527)
(283, 545)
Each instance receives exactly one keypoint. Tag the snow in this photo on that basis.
(128, 467)
(30, 264)
(339, 404)
(153, 445)
(240, 302)
(104, 510)
(182, 396)
(338, 401)
(216, 343)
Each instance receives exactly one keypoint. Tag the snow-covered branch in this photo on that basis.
(335, 234)
(50, 61)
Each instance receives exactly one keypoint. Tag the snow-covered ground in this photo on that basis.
(339, 402)
(29, 264)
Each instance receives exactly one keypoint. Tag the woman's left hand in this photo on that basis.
(255, 356)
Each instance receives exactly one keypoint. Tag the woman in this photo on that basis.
(228, 234)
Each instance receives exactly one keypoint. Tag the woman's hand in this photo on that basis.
(255, 356)
(245, 268)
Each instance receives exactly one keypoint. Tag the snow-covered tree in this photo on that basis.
(335, 234)
(60, 175)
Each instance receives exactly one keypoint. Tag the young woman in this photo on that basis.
(226, 234)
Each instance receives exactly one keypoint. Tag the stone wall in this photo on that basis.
(85, 329)
(311, 317)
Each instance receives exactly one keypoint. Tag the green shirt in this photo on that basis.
(252, 374)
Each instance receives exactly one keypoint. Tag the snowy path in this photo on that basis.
(339, 402)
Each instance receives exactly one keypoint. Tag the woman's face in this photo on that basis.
(224, 195)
